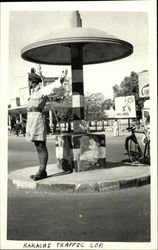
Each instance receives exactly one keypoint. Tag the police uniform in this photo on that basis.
(36, 125)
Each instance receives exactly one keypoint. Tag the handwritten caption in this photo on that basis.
(63, 245)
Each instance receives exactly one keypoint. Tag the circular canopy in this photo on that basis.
(97, 47)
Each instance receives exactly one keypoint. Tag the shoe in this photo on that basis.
(39, 175)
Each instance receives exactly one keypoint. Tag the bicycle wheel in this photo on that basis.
(147, 153)
(134, 153)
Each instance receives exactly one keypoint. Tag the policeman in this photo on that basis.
(36, 125)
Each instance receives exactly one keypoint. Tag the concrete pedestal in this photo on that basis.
(81, 152)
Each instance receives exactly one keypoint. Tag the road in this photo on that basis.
(23, 154)
(122, 215)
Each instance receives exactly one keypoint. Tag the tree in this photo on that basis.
(64, 114)
(58, 94)
(108, 103)
(95, 104)
(129, 86)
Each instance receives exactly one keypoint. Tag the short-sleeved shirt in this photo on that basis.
(36, 125)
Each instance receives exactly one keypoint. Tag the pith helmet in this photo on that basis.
(34, 77)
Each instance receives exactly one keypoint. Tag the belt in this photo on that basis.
(33, 109)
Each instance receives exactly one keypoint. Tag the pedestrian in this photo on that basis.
(9, 129)
(115, 128)
(23, 128)
(17, 127)
(36, 125)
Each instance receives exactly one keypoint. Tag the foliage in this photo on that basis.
(64, 114)
(129, 86)
(108, 103)
(95, 104)
(58, 94)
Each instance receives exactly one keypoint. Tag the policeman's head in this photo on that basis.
(34, 80)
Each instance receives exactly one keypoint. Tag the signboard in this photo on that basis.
(24, 95)
(48, 80)
(143, 81)
(125, 107)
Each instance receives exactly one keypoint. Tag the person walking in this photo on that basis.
(23, 128)
(17, 127)
(115, 128)
(36, 125)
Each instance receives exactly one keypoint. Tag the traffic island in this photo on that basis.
(98, 180)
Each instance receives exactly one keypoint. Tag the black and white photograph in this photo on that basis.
(78, 96)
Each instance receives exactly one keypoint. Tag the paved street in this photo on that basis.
(122, 215)
(110, 216)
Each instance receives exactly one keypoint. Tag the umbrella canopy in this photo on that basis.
(97, 47)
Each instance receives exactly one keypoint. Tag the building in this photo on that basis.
(144, 92)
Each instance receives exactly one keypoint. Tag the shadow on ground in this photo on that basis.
(59, 174)
(125, 162)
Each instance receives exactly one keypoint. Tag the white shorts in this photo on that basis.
(35, 127)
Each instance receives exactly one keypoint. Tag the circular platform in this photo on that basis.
(88, 181)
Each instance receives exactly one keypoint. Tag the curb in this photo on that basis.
(82, 186)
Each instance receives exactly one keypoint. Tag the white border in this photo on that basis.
(146, 6)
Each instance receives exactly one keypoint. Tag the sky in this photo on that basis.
(26, 27)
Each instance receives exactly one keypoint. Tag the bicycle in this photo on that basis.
(138, 147)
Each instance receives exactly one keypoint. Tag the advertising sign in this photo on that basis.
(143, 81)
(125, 107)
